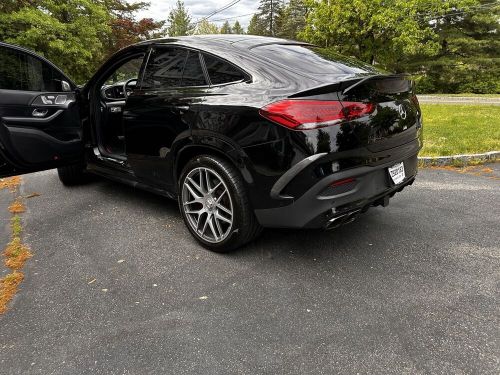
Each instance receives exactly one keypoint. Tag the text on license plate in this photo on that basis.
(397, 173)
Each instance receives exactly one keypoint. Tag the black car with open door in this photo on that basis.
(245, 132)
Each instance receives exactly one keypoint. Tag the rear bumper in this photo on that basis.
(321, 206)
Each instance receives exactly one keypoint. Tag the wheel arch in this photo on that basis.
(215, 147)
(220, 149)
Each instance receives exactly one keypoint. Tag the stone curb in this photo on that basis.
(457, 100)
(458, 159)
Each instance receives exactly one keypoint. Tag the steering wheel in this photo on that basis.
(128, 82)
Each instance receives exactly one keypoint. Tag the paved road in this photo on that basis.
(412, 288)
(443, 99)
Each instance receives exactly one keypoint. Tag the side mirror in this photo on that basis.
(65, 86)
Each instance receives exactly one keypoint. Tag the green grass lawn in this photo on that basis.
(460, 129)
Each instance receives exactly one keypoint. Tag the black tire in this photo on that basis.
(245, 227)
(72, 174)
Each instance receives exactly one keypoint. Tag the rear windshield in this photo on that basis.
(312, 60)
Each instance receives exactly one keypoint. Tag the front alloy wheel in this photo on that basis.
(214, 204)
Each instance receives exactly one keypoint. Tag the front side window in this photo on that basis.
(221, 72)
(23, 72)
(164, 69)
(128, 70)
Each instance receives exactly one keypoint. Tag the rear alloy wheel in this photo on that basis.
(214, 204)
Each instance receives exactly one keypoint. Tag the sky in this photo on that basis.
(198, 9)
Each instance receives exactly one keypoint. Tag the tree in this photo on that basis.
(206, 27)
(69, 33)
(267, 20)
(386, 32)
(469, 55)
(76, 35)
(237, 29)
(179, 20)
(226, 28)
(125, 29)
(292, 20)
(256, 26)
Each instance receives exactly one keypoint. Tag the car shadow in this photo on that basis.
(273, 242)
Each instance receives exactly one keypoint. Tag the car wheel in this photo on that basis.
(214, 204)
(72, 174)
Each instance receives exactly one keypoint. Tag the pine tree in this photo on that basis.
(179, 20)
(226, 28)
(269, 16)
(237, 29)
(256, 26)
(292, 20)
(469, 56)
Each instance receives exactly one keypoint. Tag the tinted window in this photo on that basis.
(164, 69)
(193, 72)
(312, 59)
(128, 70)
(221, 72)
(23, 72)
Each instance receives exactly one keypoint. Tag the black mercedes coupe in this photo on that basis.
(245, 132)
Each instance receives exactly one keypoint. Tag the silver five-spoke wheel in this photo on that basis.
(207, 204)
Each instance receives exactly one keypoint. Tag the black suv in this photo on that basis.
(246, 132)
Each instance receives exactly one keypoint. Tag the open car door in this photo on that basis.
(40, 124)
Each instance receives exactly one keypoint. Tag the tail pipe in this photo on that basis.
(342, 219)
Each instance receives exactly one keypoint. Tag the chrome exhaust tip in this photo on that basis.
(342, 219)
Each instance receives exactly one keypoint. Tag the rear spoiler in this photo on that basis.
(375, 77)
(341, 80)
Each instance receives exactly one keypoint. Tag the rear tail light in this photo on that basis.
(313, 114)
(414, 99)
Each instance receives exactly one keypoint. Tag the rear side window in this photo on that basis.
(312, 60)
(23, 72)
(164, 69)
(221, 72)
(193, 74)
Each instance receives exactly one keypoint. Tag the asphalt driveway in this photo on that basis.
(117, 285)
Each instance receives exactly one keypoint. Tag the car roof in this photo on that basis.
(222, 40)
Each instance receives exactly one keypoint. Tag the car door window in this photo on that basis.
(164, 69)
(193, 74)
(23, 72)
(128, 70)
(221, 72)
(112, 88)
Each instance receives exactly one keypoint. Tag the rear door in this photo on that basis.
(161, 112)
(39, 114)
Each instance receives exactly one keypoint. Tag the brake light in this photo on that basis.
(414, 99)
(313, 114)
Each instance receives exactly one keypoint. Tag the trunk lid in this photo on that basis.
(396, 119)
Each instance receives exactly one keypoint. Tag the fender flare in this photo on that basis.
(212, 143)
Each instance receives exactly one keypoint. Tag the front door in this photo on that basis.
(39, 114)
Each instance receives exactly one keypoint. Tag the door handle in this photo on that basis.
(40, 112)
(182, 108)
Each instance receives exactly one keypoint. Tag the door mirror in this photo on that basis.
(60, 85)
(65, 86)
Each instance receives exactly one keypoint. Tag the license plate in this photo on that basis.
(397, 173)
